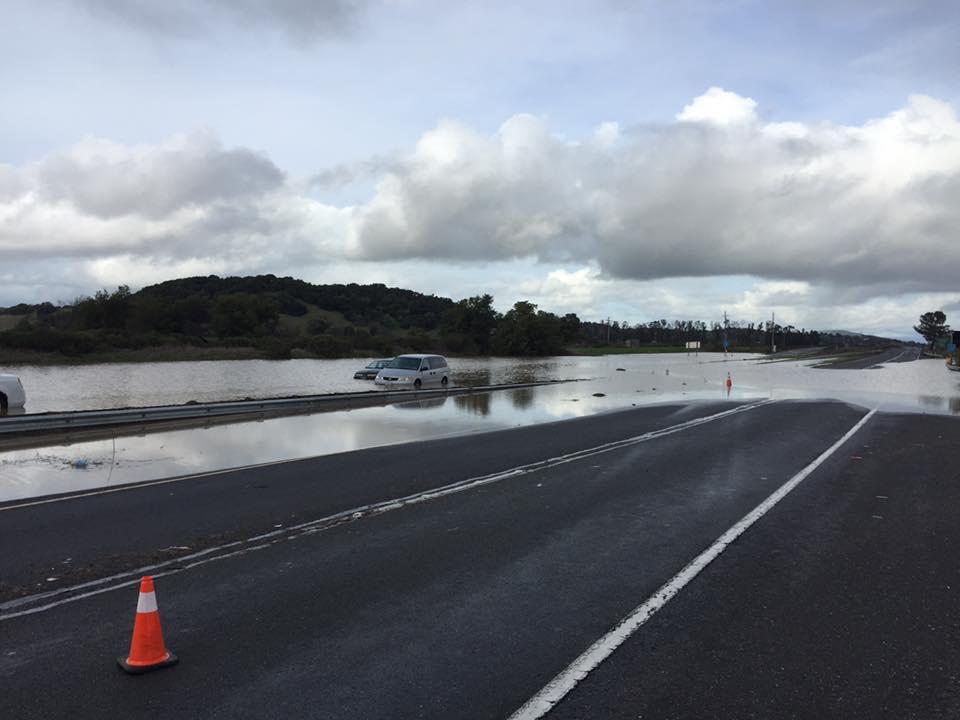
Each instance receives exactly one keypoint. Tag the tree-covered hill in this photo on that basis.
(374, 304)
(267, 316)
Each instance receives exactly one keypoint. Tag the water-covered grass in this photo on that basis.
(168, 353)
(621, 350)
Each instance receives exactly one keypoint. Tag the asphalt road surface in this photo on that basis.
(839, 602)
(890, 355)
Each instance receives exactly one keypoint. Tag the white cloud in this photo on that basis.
(106, 271)
(582, 291)
(606, 135)
(106, 179)
(185, 196)
(868, 207)
(719, 107)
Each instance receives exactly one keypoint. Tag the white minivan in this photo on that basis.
(415, 371)
(12, 394)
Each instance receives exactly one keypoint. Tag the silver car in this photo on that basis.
(370, 371)
(415, 371)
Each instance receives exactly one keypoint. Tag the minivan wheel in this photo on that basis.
(444, 381)
(417, 384)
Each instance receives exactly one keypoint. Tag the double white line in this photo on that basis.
(38, 603)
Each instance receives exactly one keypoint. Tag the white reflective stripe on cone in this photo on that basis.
(147, 603)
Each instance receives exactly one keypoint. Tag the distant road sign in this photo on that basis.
(693, 345)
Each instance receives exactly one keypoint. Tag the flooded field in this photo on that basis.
(615, 382)
(115, 385)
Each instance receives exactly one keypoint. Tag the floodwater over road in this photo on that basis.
(616, 382)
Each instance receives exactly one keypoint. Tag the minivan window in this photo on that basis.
(437, 362)
(402, 363)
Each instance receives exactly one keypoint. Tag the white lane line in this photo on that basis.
(238, 547)
(194, 476)
(554, 691)
(146, 484)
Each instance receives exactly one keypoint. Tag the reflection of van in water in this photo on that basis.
(415, 371)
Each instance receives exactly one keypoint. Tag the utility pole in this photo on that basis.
(726, 342)
(773, 332)
(608, 330)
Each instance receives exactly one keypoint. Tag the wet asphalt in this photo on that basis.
(92, 534)
(890, 355)
(841, 602)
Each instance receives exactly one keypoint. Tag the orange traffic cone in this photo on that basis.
(147, 651)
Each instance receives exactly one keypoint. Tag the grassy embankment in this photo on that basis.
(655, 349)
(834, 359)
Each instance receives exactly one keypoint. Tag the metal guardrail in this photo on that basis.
(65, 421)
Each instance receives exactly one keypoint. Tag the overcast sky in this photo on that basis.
(638, 160)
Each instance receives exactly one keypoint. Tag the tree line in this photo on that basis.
(286, 317)
(713, 336)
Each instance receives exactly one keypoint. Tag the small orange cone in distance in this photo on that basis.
(147, 651)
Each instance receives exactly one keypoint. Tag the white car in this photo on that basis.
(415, 371)
(12, 394)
